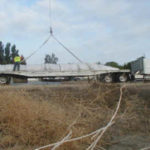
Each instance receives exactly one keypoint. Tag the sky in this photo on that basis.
(95, 30)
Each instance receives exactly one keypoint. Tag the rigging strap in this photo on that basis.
(66, 49)
(52, 35)
(37, 49)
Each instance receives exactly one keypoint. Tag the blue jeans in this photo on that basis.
(16, 65)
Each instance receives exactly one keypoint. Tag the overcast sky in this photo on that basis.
(95, 30)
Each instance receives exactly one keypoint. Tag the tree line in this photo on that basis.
(52, 59)
(116, 65)
(7, 53)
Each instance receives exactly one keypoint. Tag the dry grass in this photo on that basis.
(34, 116)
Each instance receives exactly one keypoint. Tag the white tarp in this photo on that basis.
(59, 68)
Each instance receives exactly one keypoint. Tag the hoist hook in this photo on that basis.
(51, 31)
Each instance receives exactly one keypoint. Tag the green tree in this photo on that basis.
(2, 59)
(113, 64)
(116, 65)
(98, 62)
(51, 59)
(127, 66)
(7, 53)
(14, 52)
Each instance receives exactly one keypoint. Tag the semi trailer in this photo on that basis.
(64, 71)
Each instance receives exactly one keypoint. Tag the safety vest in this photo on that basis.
(17, 59)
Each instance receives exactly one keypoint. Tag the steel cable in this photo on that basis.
(66, 49)
(50, 13)
(37, 49)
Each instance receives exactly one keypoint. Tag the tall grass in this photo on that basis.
(34, 116)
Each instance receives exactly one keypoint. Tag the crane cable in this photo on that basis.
(50, 13)
(37, 49)
(60, 43)
(51, 32)
(52, 35)
(68, 50)
(50, 22)
(50, 16)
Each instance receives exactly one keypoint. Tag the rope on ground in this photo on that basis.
(74, 122)
(102, 148)
(68, 135)
(98, 133)
(92, 146)
(37, 49)
(146, 148)
(66, 49)
(71, 140)
(63, 140)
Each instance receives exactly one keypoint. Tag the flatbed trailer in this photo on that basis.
(66, 71)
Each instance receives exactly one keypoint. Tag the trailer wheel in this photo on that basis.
(123, 78)
(108, 78)
(4, 80)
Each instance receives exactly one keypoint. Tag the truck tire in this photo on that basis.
(108, 78)
(123, 78)
(4, 80)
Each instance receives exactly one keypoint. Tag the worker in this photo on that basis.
(22, 58)
(17, 61)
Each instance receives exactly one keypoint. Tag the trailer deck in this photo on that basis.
(60, 70)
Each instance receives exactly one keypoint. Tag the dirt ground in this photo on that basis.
(35, 115)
